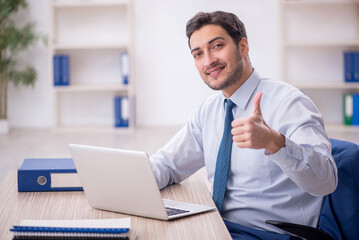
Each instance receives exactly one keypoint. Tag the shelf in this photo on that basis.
(341, 128)
(92, 88)
(92, 129)
(318, 2)
(93, 34)
(89, 3)
(325, 85)
(312, 54)
(338, 44)
(90, 46)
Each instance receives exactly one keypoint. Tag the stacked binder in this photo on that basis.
(351, 109)
(48, 174)
(61, 70)
(74, 229)
(121, 111)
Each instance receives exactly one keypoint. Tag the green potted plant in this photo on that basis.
(13, 40)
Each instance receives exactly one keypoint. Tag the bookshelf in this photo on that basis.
(94, 34)
(314, 36)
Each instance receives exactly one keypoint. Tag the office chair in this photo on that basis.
(339, 216)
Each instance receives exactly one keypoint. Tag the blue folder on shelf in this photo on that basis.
(351, 66)
(121, 111)
(48, 174)
(65, 70)
(355, 119)
(61, 65)
(57, 70)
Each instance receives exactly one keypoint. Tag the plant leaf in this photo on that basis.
(8, 7)
(16, 39)
(25, 77)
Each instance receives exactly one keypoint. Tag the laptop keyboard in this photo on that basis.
(175, 211)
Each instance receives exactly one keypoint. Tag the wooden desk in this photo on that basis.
(15, 206)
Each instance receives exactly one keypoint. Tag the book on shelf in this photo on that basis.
(355, 120)
(351, 109)
(122, 111)
(348, 66)
(56, 68)
(119, 228)
(351, 66)
(348, 108)
(61, 70)
(48, 174)
(125, 67)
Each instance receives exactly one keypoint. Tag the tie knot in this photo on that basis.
(230, 105)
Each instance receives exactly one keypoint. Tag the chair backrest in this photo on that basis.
(340, 212)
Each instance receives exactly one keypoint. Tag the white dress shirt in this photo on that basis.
(287, 185)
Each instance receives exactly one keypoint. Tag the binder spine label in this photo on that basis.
(125, 67)
(349, 105)
(65, 180)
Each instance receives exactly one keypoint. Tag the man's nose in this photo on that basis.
(209, 60)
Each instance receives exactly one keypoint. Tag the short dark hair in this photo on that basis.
(228, 21)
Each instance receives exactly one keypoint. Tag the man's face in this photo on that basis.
(216, 57)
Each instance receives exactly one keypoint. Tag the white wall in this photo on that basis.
(32, 106)
(168, 86)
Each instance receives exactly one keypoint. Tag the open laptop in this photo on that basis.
(122, 181)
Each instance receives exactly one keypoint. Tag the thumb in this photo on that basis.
(257, 101)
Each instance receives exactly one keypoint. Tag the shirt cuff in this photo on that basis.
(288, 156)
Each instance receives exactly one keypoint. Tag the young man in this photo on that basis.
(262, 142)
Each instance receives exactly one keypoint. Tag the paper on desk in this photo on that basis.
(81, 223)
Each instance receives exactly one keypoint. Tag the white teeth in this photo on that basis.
(212, 73)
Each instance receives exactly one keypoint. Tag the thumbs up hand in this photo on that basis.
(253, 132)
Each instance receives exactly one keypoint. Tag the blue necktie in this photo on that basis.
(223, 159)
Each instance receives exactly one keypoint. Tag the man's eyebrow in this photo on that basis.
(209, 42)
(194, 49)
(214, 39)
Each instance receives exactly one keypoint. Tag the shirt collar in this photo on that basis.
(243, 94)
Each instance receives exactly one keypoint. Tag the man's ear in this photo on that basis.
(243, 47)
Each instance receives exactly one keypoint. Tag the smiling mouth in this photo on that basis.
(214, 72)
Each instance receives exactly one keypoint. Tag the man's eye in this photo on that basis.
(218, 45)
(196, 55)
